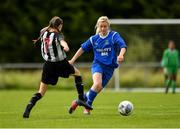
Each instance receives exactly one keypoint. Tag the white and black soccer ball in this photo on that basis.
(125, 108)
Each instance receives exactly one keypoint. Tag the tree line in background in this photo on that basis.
(22, 20)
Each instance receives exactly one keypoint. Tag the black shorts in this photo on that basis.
(53, 70)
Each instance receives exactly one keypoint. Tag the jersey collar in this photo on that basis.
(103, 37)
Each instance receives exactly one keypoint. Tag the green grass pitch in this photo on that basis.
(151, 110)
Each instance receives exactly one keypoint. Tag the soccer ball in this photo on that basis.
(125, 108)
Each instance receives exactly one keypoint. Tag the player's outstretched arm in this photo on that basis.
(120, 57)
(77, 55)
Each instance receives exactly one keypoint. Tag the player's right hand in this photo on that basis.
(66, 49)
(71, 62)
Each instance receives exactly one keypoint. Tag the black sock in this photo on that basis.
(33, 100)
(79, 87)
(31, 104)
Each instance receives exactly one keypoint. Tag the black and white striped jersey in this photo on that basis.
(51, 48)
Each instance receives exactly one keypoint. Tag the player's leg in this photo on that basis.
(71, 70)
(37, 96)
(165, 75)
(101, 77)
(95, 89)
(48, 77)
(167, 84)
(165, 79)
(174, 81)
(168, 80)
(80, 90)
(79, 84)
(97, 71)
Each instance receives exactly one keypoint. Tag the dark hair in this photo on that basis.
(53, 23)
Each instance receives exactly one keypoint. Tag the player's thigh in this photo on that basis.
(169, 72)
(76, 72)
(97, 79)
(64, 69)
(97, 82)
(107, 75)
(174, 73)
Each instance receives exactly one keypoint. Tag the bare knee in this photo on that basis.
(97, 87)
(77, 72)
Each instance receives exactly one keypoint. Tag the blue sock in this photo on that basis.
(91, 95)
(85, 97)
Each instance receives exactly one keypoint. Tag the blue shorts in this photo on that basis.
(106, 72)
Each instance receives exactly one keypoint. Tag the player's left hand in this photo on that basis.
(120, 59)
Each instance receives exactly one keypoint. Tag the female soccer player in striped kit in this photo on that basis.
(105, 45)
(53, 48)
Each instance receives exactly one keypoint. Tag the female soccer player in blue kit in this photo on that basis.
(105, 45)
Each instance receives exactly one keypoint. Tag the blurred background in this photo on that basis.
(21, 21)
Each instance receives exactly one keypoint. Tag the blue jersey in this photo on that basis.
(105, 48)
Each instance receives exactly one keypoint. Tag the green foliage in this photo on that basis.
(22, 20)
(139, 50)
(130, 78)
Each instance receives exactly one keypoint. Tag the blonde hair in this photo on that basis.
(101, 19)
